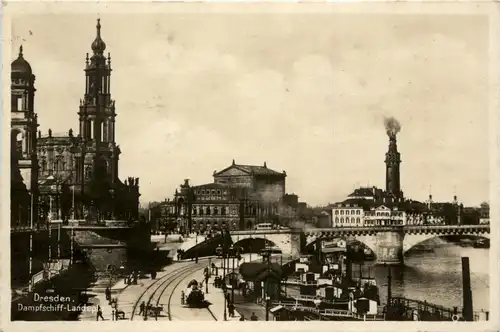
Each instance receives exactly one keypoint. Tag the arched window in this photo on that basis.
(194, 210)
(223, 211)
(336, 212)
(341, 220)
(88, 172)
(358, 212)
(58, 164)
(358, 220)
(91, 129)
(341, 212)
(208, 210)
(201, 211)
(336, 219)
(216, 211)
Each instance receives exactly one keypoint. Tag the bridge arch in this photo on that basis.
(411, 241)
(366, 241)
(254, 244)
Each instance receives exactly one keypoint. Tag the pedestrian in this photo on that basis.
(242, 318)
(142, 307)
(108, 294)
(99, 313)
(230, 308)
(182, 297)
(253, 317)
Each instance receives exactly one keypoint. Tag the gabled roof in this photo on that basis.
(257, 271)
(251, 170)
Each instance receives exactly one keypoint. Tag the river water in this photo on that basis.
(436, 276)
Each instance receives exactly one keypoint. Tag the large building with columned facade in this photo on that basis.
(239, 197)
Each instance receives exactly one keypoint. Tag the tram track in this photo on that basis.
(169, 312)
(160, 285)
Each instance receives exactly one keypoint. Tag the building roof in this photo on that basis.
(360, 202)
(365, 192)
(257, 271)
(20, 65)
(252, 169)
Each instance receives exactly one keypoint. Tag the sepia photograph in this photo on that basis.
(234, 163)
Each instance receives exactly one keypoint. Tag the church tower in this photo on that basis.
(97, 117)
(24, 124)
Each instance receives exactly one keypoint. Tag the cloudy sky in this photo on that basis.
(307, 93)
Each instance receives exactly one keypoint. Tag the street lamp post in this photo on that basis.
(30, 287)
(233, 252)
(267, 255)
(224, 281)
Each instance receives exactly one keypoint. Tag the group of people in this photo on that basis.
(144, 309)
(116, 314)
(252, 318)
(131, 279)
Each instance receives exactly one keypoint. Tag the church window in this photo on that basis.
(91, 123)
(103, 138)
(19, 103)
(88, 173)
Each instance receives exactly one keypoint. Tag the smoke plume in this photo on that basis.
(272, 194)
(392, 126)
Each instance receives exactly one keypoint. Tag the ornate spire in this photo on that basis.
(98, 46)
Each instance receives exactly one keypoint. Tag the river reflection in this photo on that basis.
(436, 277)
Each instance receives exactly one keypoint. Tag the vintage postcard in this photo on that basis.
(315, 163)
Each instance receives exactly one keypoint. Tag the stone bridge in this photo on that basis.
(389, 243)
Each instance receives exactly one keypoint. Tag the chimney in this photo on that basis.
(265, 165)
(186, 182)
(392, 162)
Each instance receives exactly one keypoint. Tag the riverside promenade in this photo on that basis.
(127, 296)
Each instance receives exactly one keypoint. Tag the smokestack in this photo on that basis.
(392, 127)
(392, 158)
